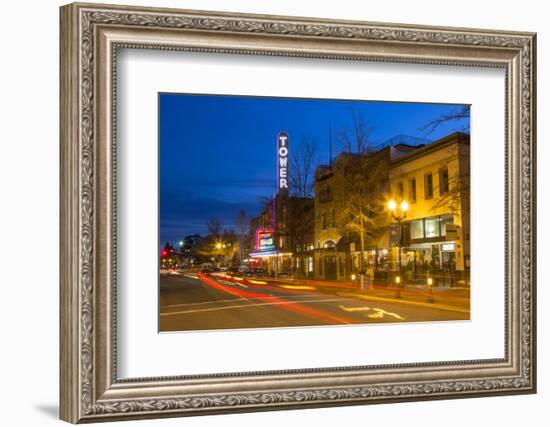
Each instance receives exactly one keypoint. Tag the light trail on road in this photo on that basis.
(284, 304)
(189, 303)
(298, 287)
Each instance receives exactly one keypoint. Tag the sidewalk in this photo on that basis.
(455, 299)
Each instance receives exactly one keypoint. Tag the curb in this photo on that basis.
(417, 303)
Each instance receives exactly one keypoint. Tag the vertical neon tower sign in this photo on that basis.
(282, 161)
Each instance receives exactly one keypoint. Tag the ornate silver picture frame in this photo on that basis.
(91, 36)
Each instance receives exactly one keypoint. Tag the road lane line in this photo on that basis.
(296, 297)
(398, 301)
(251, 305)
(203, 303)
(375, 315)
(381, 313)
(352, 309)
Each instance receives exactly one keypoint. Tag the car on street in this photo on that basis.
(257, 272)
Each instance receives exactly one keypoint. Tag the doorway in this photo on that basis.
(330, 267)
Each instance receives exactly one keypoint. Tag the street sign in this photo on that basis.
(282, 161)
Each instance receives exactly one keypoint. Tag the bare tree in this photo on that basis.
(242, 223)
(459, 113)
(456, 195)
(303, 163)
(299, 223)
(215, 226)
(266, 213)
(355, 138)
(360, 212)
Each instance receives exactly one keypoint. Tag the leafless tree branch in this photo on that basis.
(457, 114)
(302, 169)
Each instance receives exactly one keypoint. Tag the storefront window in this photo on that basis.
(445, 219)
(432, 227)
(382, 259)
(426, 228)
(309, 264)
(417, 229)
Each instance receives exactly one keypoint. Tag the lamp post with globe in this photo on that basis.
(398, 213)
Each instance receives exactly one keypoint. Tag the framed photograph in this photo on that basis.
(266, 212)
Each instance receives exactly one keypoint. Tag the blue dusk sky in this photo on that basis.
(217, 153)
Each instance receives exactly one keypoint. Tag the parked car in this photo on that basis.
(206, 265)
(243, 268)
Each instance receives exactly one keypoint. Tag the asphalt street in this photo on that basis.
(195, 301)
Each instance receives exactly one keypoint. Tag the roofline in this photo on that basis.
(455, 137)
(459, 137)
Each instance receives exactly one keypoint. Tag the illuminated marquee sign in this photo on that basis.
(282, 161)
(265, 240)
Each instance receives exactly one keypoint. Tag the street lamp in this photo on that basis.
(398, 217)
(221, 246)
